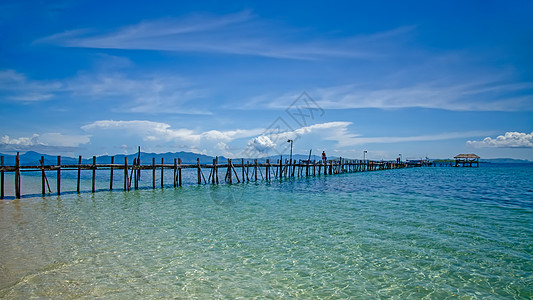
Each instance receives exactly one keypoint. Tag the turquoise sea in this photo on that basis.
(432, 233)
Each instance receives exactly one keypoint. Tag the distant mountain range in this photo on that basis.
(32, 158)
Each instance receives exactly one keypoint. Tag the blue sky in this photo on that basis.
(240, 79)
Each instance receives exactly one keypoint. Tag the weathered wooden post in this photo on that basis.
(179, 171)
(58, 175)
(111, 174)
(17, 176)
(228, 174)
(43, 190)
(199, 171)
(216, 168)
(94, 174)
(267, 171)
(281, 167)
(125, 173)
(242, 165)
(255, 169)
(162, 169)
(135, 172)
(153, 173)
(79, 175)
(2, 177)
(175, 172)
(213, 180)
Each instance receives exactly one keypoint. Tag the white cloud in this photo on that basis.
(157, 131)
(22, 141)
(261, 145)
(47, 139)
(509, 140)
(50, 143)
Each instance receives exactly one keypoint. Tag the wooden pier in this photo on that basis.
(233, 171)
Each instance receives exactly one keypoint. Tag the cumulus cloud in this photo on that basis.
(261, 145)
(157, 131)
(511, 139)
(47, 142)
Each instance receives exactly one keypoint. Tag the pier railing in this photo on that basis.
(233, 170)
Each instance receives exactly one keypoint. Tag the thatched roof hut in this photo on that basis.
(467, 160)
(467, 156)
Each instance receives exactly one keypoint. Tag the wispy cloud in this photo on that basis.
(240, 33)
(476, 95)
(17, 87)
(146, 93)
(511, 139)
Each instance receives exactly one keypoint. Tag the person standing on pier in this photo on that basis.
(324, 158)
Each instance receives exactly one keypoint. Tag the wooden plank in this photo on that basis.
(94, 175)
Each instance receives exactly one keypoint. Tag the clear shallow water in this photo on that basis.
(415, 233)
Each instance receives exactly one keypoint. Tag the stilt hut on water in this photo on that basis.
(467, 160)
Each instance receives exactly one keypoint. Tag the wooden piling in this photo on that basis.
(228, 173)
(79, 176)
(135, 173)
(153, 173)
(111, 174)
(94, 174)
(43, 190)
(125, 173)
(175, 172)
(58, 175)
(255, 170)
(267, 171)
(2, 177)
(281, 167)
(242, 165)
(162, 169)
(179, 171)
(214, 170)
(199, 171)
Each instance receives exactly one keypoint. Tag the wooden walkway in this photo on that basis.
(235, 171)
